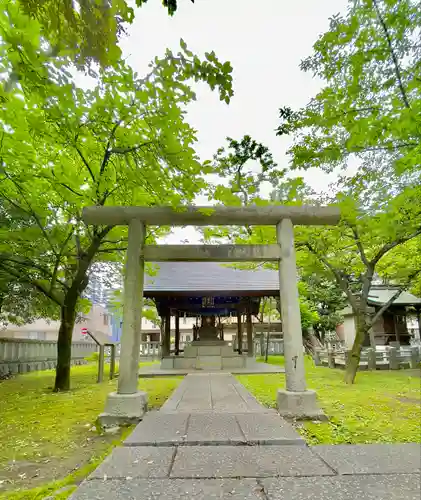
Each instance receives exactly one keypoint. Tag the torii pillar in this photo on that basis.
(128, 405)
(295, 400)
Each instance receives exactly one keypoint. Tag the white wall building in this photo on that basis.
(98, 319)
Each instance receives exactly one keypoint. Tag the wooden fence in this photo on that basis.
(387, 358)
(150, 350)
(275, 347)
(25, 355)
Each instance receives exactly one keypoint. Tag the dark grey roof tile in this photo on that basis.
(209, 276)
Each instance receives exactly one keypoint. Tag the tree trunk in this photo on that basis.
(355, 354)
(64, 342)
(372, 338)
(68, 311)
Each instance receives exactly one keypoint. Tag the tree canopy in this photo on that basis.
(369, 110)
(370, 103)
(380, 225)
(125, 142)
(86, 31)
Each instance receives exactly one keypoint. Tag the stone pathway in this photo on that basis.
(213, 440)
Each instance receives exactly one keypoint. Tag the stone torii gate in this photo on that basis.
(128, 405)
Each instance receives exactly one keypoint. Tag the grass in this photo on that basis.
(45, 436)
(381, 407)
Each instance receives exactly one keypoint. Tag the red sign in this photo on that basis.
(84, 331)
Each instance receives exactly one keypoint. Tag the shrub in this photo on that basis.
(92, 357)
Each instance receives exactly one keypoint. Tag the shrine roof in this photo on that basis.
(183, 278)
(382, 294)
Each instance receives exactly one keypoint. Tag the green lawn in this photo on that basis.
(45, 436)
(381, 407)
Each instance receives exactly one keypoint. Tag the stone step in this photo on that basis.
(213, 429)
(363, 487)
(211, 462)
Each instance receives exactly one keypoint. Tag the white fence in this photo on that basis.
(24, 355)
(275, 347)
(150, 350)
(387, 358)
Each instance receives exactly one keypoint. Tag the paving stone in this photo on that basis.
(372, 458)
(216, 392)
(246, 461)
(216, 429)
(189, 405)
(136, 461)
(225, 398)
(168, 489)
(265, 428)
(196, 396)
(363, 487)
(245, 395)
(173, 401)
(164, 429)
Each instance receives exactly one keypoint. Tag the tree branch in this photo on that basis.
(58, 258)
(393, 55)
(107, 194)
(57, 298)
(364, 149)
(123, 151)
(80, 279)
(108, 152)
(359, 244)
(341, 280)
(390, 246)
(112, 249)
(25, 262)
(70, 189)
(367, 277)
(85, 162)
(30, 211)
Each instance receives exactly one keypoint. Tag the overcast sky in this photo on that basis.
(264, 40)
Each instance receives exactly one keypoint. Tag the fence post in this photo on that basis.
(112, 362)
(346, 356)
(3, 347)
(330, 359)
(393, 359)
(371, 359)
(316, 357)
(415, 357)
(101, 364)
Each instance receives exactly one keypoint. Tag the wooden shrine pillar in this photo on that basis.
(418, 313)
(132, 309)
(166, 341)
(177, 333)
(195, 329)
(162, 336)
(239, 333)
(250, 345)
